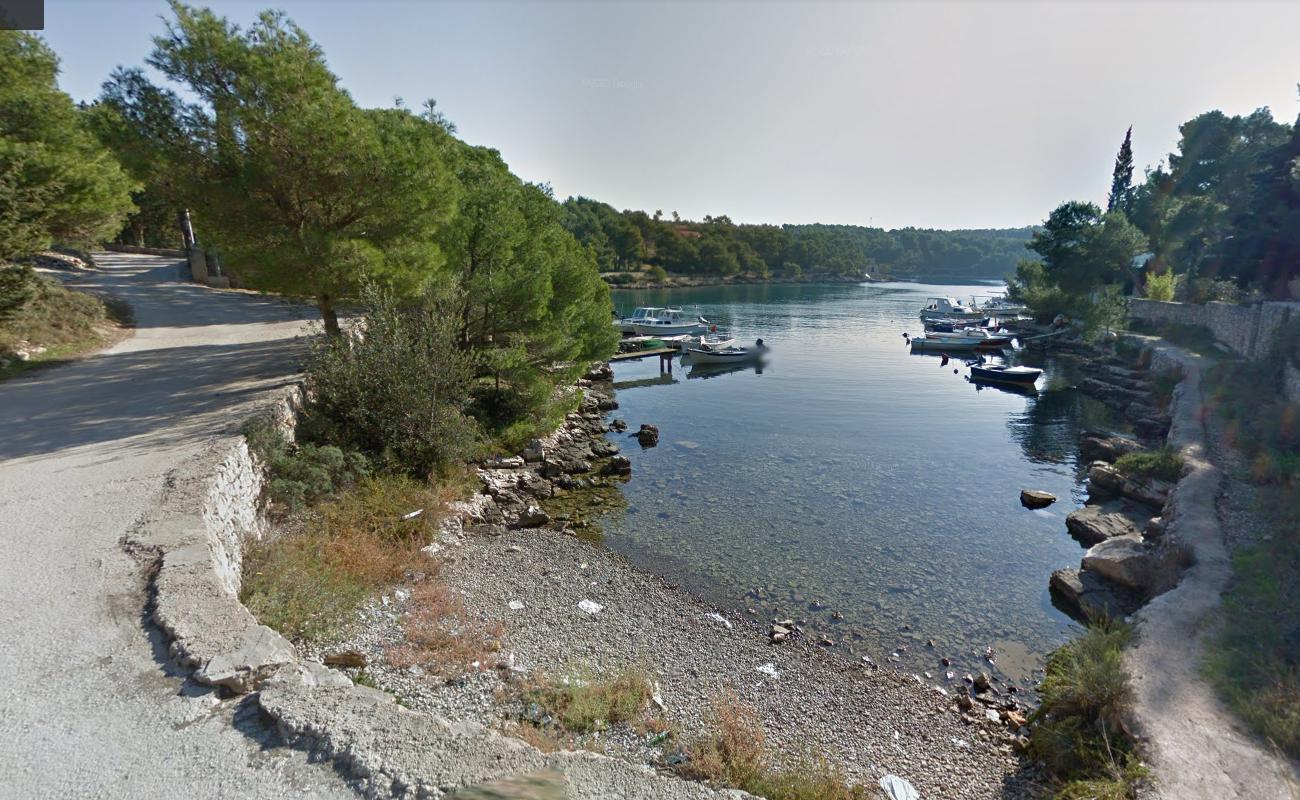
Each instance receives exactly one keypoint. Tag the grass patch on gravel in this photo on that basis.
(733, 753)
(309, 580)
(1163, 464)
(1079, 732)
(582, 703)
(40, 312)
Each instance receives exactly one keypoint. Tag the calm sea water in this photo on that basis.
(852, 484)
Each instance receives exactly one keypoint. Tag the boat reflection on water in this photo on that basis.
(715, 370)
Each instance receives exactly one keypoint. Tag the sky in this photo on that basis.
(926, 114)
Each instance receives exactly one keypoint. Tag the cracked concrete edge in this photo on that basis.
(390, 751)
(193, 541)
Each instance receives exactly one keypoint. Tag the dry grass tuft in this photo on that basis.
(442, 637)
(310, 580)
(733, 754)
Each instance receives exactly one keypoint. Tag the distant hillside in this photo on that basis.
(630, 241)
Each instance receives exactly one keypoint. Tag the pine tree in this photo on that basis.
(1121, 182)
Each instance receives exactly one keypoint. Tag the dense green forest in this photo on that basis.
(630, 241)
(1219, 219)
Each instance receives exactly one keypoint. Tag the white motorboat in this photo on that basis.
(931, 345)
(979, 336)
(726, 355)
(625, 324)
(947, 308)
(999, 305)
(669, 322)
(712, 341)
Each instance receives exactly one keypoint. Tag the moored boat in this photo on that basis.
(938, 308)
(998, 373)
(668, 322)
(626, 325)
(980, 336)
(705, 354)
(959, 344)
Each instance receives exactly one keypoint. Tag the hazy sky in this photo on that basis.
(930, 114)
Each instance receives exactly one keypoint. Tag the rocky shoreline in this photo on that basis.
(565, 607)
(1129, 559)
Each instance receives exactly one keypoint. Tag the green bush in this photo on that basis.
(658, 273)
(1164, 464)
(1079, 732)
(17, 287)
(300, 476)
(1161, 286)
(395, 388)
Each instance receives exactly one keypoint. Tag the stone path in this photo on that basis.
(1196, 746)
(88, 705)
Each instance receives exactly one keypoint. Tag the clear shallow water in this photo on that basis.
(850, 476)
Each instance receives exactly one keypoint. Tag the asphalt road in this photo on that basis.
(89, 706)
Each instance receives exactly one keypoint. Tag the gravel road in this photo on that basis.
(90, 706)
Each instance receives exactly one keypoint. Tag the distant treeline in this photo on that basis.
(627, 241)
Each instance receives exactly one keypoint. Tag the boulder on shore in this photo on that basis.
(1085, 596)
(1095, 524)
(1034, 498)
(1101, 446)
(1125, 560)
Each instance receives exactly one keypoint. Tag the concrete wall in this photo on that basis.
(1247, 331)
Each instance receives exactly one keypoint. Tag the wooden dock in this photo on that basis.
(658, 351)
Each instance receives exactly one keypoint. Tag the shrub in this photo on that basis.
(1164, 464)
(1161, 286)
(309, 580)
(658, 273)
(1079, 732)
(395, 388)
(300, 476)
(17, 287)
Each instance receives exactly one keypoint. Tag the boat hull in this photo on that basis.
(651, 329)
(1019, 377)
(923, 344)
(737, 356)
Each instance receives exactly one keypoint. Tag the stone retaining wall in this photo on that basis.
(1247, 331)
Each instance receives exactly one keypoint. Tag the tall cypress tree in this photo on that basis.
(1121, 182)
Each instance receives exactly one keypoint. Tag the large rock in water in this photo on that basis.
(1104, 481)
(1094, 524)
(1085, 596)
(1125, 560)
(1033, 498)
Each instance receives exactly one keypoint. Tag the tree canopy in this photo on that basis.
(304, 190)
(57, 183)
